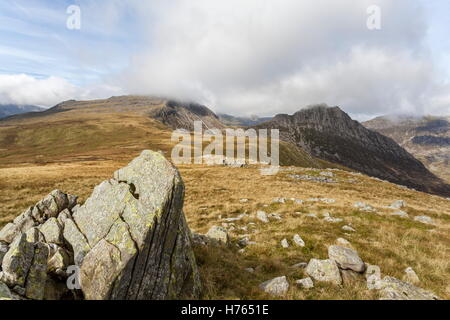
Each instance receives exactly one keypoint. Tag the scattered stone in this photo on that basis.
(424, 219)
(324, 270)
(298, 201)
(400, 213)
(364, 207)
(276, 287)
(306, 177)
(275, 216)
(301, 265)
(394, 289)
(298, 241)
(411, 276)
(262, 216)
(285, 243)
(346, 258)
(306, 283)
(398, 204)
(218, 234)
(333, 220)
(279, 200)
(343, 242)
(348, 228)
(243, 200)
(311, 215)
(250, 270)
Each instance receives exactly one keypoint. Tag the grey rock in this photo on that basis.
(58, 259)
(34, 235)
(262, 216)
(394, 289)
(306, 283)
(324, 270)
(343, 242)
(218, 234)
(17, 261)
(275, 216)
(141, 245)
(374, 283)
(76, 240)
(279, 200)
(5, 293)
(300, 265)
(250, 270)
(276, 287)
(37, 276)
(52, 231)
(424, 219)
(3, 250)
(348, 228)
(298, 241)
(400, 213)
(346, 258)
(333, 220)
(398, 204)
(411, 276)
(284, 243)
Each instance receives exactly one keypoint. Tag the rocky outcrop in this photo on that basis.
(129, 240)
(330, 134)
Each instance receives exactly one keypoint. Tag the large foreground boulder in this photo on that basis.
(130, 240)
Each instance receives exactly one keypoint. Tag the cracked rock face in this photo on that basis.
(130, 240)
(140, 246)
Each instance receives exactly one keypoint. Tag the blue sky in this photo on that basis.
(234, 57)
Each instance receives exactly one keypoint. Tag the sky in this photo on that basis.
(253, 57)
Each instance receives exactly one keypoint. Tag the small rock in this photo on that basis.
(52, 231)
(398, 204)
(343, 242)
(424, 219)
(311, 215)
(17, 261)
(250, 270)
(279, 200)
(285, 243)
(275, 216)
(400, 213)
(333, 220)
(276, 287)
(346, 258)
(219, 234)
(411, 276)
(262, 216)
(306, 283)
(394, 289)
(348, 228)
(327, 174)
(300, 265)
(243, 200)
(298, 241)
(324, 270)
(298, 201)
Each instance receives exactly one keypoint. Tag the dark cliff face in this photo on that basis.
(330, 134)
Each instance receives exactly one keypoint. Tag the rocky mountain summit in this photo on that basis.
(330, 134)
(129, 240)
(427, 138)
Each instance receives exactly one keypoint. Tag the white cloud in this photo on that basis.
(265, 57)
(25, 89)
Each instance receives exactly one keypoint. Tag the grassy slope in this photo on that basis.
(72, 152)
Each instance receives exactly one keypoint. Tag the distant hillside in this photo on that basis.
(233, 121)
(330, 134)
(7, 110)
(427, 138)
